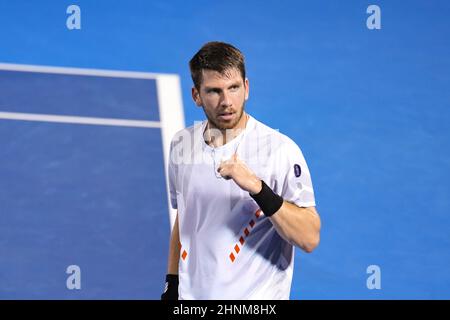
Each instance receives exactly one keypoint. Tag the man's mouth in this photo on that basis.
(226, 116)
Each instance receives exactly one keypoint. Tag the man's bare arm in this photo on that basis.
(174, 249)
(299, 226)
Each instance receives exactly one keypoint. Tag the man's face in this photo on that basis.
(222, 97)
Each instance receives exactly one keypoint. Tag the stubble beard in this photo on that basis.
(223, 126)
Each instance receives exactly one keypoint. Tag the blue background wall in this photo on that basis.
(369, 108)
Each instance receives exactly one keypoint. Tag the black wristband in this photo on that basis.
(268, 201)
(171, 289)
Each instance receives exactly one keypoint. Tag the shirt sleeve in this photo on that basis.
(172, 171)
(294, 176)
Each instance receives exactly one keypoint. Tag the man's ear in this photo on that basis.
(196, 96)
(247, 88)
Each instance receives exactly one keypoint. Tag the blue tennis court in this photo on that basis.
(76, 193)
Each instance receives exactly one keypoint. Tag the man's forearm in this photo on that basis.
(174, 249)
(299, 226)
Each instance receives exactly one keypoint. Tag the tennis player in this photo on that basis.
(242, 191)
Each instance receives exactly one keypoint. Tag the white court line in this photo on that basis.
(78, 71)
(79, 120)
(171, 114)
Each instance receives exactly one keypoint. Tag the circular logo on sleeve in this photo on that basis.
(297, 170)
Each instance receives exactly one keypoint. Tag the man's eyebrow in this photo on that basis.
(212, 88)
(234, 84)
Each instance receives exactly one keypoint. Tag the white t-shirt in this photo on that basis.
(229, 249)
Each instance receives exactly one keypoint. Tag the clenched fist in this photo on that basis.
(237, 170)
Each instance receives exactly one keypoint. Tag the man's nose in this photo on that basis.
(226, 100)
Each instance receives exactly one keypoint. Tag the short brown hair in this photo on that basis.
(217, 56)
